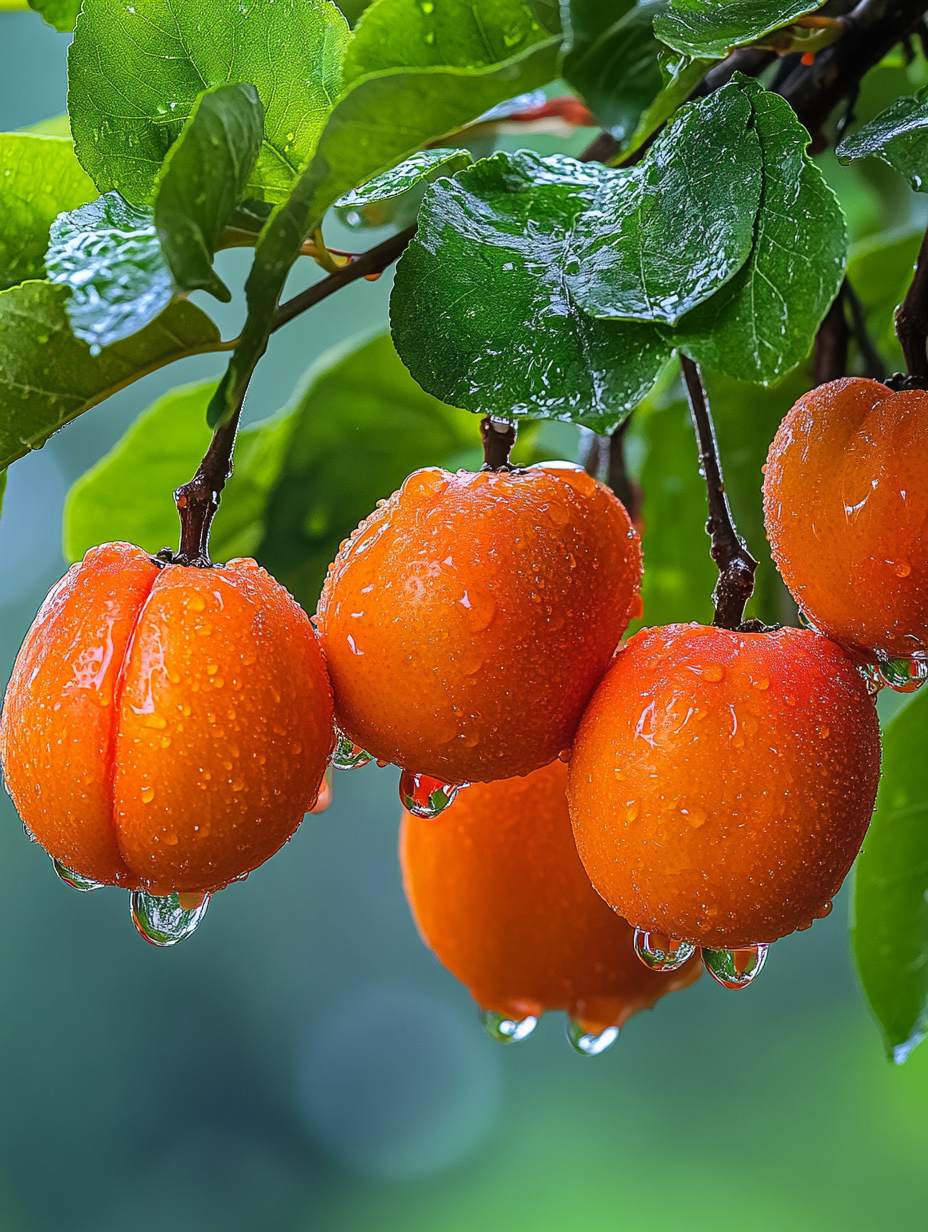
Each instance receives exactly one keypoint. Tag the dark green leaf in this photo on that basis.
(203, 180)
(898, 136)
(62, 14)
(759, 326)
(48, 377)
(423, 99)
(681, 76)
(109, 255)
(611, 59)
(137, 68)
(889, 927)
(714, 27)
(365, 205)
(39, 177)
(483, 314)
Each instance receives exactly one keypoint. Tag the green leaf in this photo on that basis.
(611, 59)
(714, 27)
(39, 177)
(898, 137)
(109, 255)
(203, 179)
(681, 78)
(62, 14)
(423, 100)
(763, 323)
(412, 176)
(889, 925)
(48, 377)
(483, 314)
(659, 239)
(880, 271)
(137, 68)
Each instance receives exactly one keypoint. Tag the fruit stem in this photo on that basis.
(735, 563)
(498, 436)
(912, 321)
(198, 500)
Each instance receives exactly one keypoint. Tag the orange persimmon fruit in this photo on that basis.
(721, 782)
(499, 895)
(466, 622)
(165, 727)
(846, 507)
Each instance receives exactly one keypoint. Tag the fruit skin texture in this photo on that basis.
(499, 894)
(721, 783)
(165, 728)
(467, 621)
(846, 507)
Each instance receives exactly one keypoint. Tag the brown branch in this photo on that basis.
(912, 319)
(198, 500)
(832, 343)
(735, 563)
(498, 436)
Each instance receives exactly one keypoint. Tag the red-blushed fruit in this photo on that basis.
(721, 783)
(498, 892)
(846, 507)
(467, 621)
(165, 727)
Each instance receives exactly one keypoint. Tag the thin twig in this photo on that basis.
(873, 363)
(735, 563)
(912, 318)
(198, 500)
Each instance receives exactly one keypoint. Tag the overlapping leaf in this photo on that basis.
(48, 377)
(764, 321)
(898, 137)
(368, 205)
(889, 928)
(137, 68)
(62, 14)
(714, 27)
(39, 177)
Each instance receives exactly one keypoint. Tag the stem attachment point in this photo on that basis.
(498, 436)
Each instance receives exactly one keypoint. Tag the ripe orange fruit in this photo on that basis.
(846, 505)
(499, 894)
(165, 727)
(721, 783)
(466, 622)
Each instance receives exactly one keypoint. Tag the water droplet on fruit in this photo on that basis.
(324, 796)
(348, 755)
(904, 675)
(713, 672)
(735, 968)
(75, 880)
(589, 1043)
(424, 796)
(165, 921)
(662, 953)
(507, 1030)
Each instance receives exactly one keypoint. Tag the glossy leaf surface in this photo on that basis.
(889, 927)
(714, 27)
(899, 137)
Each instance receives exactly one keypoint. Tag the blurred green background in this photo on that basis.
(303, 1064)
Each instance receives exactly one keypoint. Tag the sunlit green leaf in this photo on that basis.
(48, 377)
(365, 205)
(137, 68)
(889, 928)
(39, 177)
(764, 321)
(714, 27)
(203, 179)
(62, 14)
(898, 136)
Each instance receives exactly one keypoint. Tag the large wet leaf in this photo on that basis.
(714, 27)
(889, 926)
(48, 377)
(137, 68)
(898, 136)
(611, 59)
(763, 322)
(39, 177)
(483, 314)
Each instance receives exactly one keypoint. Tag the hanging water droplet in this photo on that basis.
(589, 1043)
(165, 921)
(871, 677)
(507, 1030)
(735, 968)
(348, 755)
(324, 796)
(662, 953)
(29, 835)
(904, 675)
(75, 880)
(424, 796)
